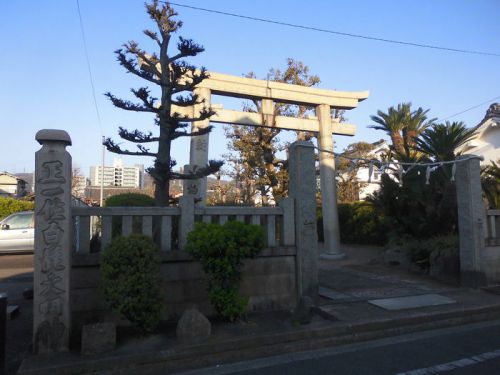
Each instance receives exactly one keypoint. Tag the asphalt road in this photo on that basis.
(16, 274)
(473, 349)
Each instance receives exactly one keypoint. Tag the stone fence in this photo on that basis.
(493, 228)
(104, 222)
(67, 291)
(490, 256)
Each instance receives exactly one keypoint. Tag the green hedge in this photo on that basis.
(130, 200)
(10, 205)
(131, 283)
(359, 223)
(221, 250)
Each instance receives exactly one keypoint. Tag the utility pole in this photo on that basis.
(102, 172)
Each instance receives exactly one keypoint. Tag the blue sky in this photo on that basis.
(45, 84)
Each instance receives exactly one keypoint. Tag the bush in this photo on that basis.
(10, 205)
(422, 252)
(221, 249)
(130, 272)
(415, 208)
(130, 200)
(359, 223)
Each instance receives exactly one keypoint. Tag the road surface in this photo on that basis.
(472, 349)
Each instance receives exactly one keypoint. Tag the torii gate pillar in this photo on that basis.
(328, 184)
(198, 155)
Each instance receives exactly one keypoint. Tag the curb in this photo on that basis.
(246, 348)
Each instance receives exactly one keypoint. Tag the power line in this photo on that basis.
(359, 36)
(88, 66)
(470, 109)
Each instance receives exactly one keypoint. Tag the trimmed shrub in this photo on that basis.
(130, 272)
(10, 205)
(221, 249)
(130, 200)
(421, 251)
(359, 224)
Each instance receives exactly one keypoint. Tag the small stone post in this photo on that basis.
(331, 227)
(471, 221)
(53, 236)
(302, 188)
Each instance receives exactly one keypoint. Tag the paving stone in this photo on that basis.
(402, 303)
(332, 294)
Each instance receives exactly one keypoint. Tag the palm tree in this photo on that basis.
(416, 123)
(490, 181)
(392, 123)
(403, 126)
(440, 141)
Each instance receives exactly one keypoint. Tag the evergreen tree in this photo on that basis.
(348, 185)
(174, 76)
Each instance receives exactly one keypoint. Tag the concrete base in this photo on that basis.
(334, 256)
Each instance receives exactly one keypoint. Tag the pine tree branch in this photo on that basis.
(143, 94)
(153, 36)
(202, 115)
(187, 100)
(186, 48)
(137, 136)
(202, 131)
(152, 60)
(113, 147)
(131, 65)
(163, 18)
(128, 105)
(212, 167)
(188, 74)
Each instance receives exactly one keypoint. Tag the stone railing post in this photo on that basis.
(471, 221)
(53, 246)
(302, 188)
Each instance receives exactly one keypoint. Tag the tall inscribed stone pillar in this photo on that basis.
(328, 187)
(53, 235)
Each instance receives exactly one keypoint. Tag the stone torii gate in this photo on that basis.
(269, 92)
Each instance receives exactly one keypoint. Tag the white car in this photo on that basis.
(17, 232)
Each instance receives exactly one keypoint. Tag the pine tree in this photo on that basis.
(174, 76)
